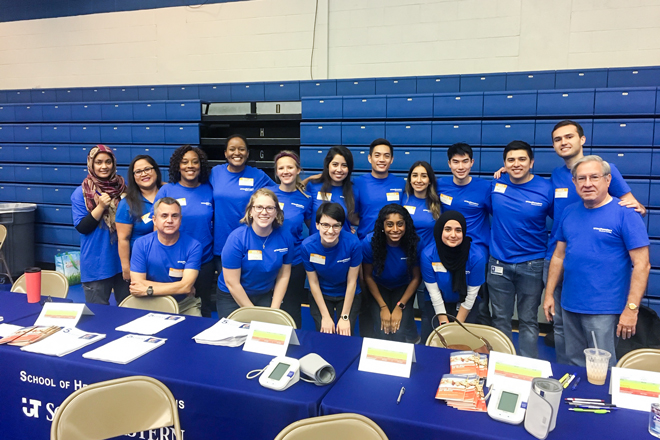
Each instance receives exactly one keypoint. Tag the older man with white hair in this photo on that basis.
(603, 252)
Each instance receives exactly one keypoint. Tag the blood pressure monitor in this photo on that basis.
(280, 373)
(507, 405)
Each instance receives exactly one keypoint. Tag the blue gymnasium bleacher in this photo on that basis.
(45, 133)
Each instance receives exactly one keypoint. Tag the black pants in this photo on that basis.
(335, 305)
(296, 294)
(205, 289)
(98, 292)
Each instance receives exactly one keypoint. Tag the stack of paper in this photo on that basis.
(29, 335)
(125, 349)
(225, 332)
(150, 324)
(468, 362)
(462, 391)
(8, 329)
(64, 342)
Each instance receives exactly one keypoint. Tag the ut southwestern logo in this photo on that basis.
(533, 203)
(181, 262)
(33, 409)
(607, 231)
(286, 249)
(476, 204)
(345, 260)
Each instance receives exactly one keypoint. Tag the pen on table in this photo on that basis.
(403, 390)
(563, 378)
(569, 380)
(572, 399)
(595, 411)
(608, 408)
(577, 381)
(598, 404)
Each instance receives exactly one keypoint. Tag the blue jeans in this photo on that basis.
(521, 284)
(557, 320)
(225, 303)
(407, 326)
(578, 328)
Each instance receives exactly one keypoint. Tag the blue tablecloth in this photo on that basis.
(420, 416)
(215, 398)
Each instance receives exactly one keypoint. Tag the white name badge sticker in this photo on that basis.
(245, 181)
(561, 193)
(438, 267)
(386, 357)
(446, 200)
(62, 314)
(634, 389)
(176, 273)
(271, 339)
(282, 206)
(254, 256)
(411, 209)
(324, 196)
(316, 258)
(182, 201)
(393, 197)
(500, 188)
(146, 219)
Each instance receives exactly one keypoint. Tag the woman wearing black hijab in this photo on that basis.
(452, 271)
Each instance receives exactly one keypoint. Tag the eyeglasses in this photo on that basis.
(258, 209)
(143, 171)
(594, 178)
(325, 226)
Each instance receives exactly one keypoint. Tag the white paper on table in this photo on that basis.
(8, 329)
(271, 339)
(225, 332)
(634, 389)
(62, 314)
(150, 324)
(386, 357)
(515, 372)
(125, 349)
(64, 342)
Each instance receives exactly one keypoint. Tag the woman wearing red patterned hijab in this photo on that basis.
(94, 205)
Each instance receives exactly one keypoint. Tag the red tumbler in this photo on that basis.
(33, 284)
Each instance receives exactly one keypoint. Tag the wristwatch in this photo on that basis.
(150, 291)
(632, 306)
(400, 305)
(344, 317)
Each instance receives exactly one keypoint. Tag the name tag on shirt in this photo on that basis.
(282, 206)
(176, 273)
(246, 181)
(146, 219)
(324, 196)
(411, 209)
(316, 258)
(255, 255)
(393, 197)
(182, 201)
(500, 188)
(438, 267)
(445, 200)
(561, 193)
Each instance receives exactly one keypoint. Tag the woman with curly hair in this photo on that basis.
(256, 260)
(297, 207)
(391, 272)
(335, 185)
(94, 206)
(134, 213)
(453, 270)
(422, 201)
(189, 185)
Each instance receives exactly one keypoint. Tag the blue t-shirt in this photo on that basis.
(471, 200)
(422, 219)
(335, 196)
(434, 272)
(231, 194)
(332, 264)
(297, 208)
(566, 194)
(196, 213)
(519, 231)
(142, 225)
(259, 258)
(165, 264)
(395, 271)
(99, 257)
(597, 265)
(371, 195)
